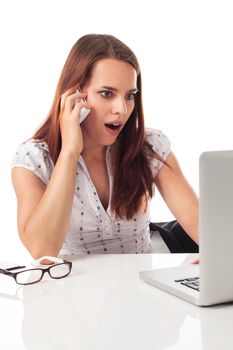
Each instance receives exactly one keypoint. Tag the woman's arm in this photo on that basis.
(44, 212)
(179, 196)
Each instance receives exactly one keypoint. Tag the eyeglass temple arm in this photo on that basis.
(7, 271)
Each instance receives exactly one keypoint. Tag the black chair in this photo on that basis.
(174, 236)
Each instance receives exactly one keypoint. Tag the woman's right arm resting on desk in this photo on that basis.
(44, 212)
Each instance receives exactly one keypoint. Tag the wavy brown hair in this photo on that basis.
(132, 174)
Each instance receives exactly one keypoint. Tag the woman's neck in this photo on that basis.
(97, 153)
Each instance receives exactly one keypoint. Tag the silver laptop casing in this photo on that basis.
(216, 238)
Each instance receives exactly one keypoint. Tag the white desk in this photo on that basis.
(104, 305)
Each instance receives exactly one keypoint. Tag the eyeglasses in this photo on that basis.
(58, 268)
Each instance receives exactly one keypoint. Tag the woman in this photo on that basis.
(85, 188)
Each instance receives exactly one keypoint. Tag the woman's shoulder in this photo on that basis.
(159, 141)
(32, 151)
(35, 146)
(34, 155)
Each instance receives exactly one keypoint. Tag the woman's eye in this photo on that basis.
(106, 94)
(130, 96)
(109, 94)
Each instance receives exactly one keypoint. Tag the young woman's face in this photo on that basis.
(111, 94)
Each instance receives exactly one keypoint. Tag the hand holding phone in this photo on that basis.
(84, 111)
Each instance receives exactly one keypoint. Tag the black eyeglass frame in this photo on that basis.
(9, 272)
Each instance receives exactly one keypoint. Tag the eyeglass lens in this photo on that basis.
(35, 275)
(58, 271)
(29, 276)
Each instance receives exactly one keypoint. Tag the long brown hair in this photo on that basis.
(132, 174)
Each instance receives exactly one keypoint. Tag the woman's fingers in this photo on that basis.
(196, 261)
(78, 106)
(64, 96)
(69, 98)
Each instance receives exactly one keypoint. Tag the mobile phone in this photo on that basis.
(84, 111)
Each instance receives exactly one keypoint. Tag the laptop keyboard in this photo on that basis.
(192, 282)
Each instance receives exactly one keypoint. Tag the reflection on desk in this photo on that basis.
(104, 305)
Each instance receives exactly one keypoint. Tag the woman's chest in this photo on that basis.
(94, 179)
(100, 179)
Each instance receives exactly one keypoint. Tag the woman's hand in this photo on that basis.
(71, 133)
(195, 262)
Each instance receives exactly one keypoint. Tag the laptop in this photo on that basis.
(210, 282)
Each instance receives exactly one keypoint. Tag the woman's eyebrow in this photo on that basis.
(114, 89)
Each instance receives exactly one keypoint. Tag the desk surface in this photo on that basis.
(104, 305)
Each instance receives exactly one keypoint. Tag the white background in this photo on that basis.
(186, 56)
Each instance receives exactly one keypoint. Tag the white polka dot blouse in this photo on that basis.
(92, 229)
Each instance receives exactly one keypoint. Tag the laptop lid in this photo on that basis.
(216, 226)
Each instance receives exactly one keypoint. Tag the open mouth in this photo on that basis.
(113, 126)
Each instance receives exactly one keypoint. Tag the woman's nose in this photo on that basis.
(119, 106)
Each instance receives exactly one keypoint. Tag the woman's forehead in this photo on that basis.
(111, 72)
